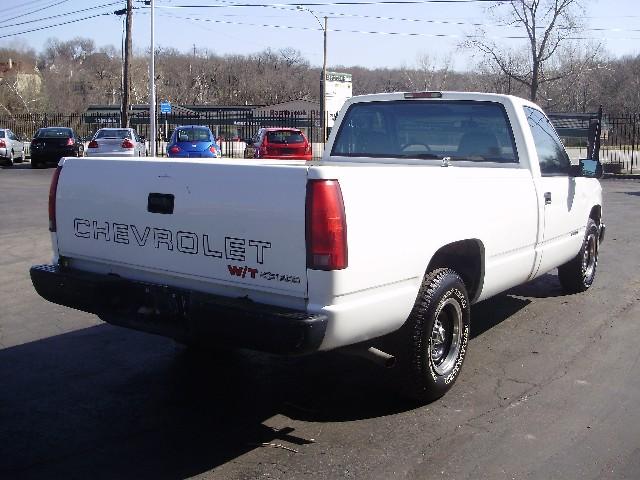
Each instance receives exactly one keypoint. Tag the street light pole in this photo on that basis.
(152, 87)
(323, 81)
(324, 85)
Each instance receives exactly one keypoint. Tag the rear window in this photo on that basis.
(1, 133)
(461, 130)
(285, 136)
(193, 135)
(54, 133)
(119, 133)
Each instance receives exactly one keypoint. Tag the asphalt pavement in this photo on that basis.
(550, 388)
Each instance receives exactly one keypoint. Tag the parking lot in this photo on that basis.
(550, 387)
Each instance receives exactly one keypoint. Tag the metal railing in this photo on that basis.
(230, 127)
(619, 135)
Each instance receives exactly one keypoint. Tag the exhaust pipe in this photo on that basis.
(373, 354)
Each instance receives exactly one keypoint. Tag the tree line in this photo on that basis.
(74, 74)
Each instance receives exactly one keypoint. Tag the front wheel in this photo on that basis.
(578, 274)
(437, 335)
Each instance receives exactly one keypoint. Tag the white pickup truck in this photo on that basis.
(423, 204)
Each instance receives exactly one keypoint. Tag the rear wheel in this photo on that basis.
(436, 336)
(578, 274)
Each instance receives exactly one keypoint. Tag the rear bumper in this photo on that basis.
(206, 154)
(50, 155)
(185, 315)
(89, 153)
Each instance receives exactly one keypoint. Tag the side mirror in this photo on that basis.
(590, 168)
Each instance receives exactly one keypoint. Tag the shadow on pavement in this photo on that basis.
(17, 166)
(106, 402)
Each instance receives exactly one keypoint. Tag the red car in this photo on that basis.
(278, 143)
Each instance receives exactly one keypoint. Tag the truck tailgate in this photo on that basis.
(235, 223)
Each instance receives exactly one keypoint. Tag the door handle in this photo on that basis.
(547, 198)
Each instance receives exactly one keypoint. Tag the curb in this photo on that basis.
(622, 176)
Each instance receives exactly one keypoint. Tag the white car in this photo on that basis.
(11, 147)
(116, 142)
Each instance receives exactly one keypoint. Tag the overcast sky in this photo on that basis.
(438, 28)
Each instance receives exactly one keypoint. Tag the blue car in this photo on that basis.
(193, 141)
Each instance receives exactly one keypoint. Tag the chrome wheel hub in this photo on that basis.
(589, 258)
(444, 342)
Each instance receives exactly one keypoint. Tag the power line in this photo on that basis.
(26, 4)
(34, 11)
(351, 3)
(368, 32)
(56, 25)
(36, 20)
(402, 19)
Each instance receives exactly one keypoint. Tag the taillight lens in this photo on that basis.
(3, 144)
(326, 226)
(127, 143)
(213, 150)
(93, 144)
(174, 149)
(307, 148)
(53, 189)
(70, 142)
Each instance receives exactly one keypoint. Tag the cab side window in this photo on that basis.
(551, 153)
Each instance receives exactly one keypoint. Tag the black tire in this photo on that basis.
(35, 163)
(578, 274)
(436, 336)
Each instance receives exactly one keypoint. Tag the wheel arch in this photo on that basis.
(465, 257)
(596, 214)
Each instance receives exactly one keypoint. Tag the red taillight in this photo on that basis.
(3, 144)
(70, 142)
(213, 150)
(307, 147)
(326, 226)
(53, 189)
(127, 143)
(93, 144)
(174, 149)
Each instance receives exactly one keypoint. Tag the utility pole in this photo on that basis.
(152, 83)
(126, 75)
(323, 107)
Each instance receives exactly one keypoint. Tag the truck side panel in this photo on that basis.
(399, 216)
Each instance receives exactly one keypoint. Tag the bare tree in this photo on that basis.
(548, 25)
